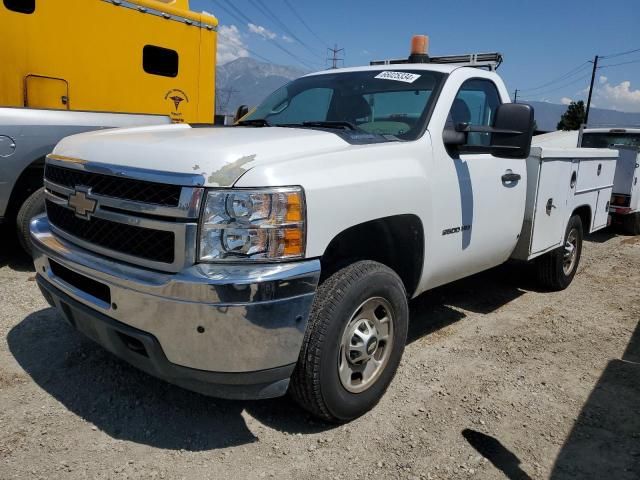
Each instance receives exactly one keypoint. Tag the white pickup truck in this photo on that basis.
(280, 254)
(625, 201)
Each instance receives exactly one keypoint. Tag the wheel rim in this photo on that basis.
(570, 252)
(366, 345)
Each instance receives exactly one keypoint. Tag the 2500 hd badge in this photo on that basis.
(450, 231)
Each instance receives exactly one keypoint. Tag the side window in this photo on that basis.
(20, 6)
(475, 104)
(160, 61)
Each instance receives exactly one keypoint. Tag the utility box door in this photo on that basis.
(625, 176)
(46, 92)
(601, 217)
(551, 204)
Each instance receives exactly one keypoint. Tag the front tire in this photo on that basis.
(353, 344)
(556, 269)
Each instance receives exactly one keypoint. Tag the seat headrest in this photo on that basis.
(460, 112)
(351, 108)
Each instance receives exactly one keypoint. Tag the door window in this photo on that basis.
(21, 6)
(160, 61)
(475, 104)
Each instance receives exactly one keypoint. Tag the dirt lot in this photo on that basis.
(497, 380)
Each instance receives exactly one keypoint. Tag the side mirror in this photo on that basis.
(240, 112)
(453, 138)
(512, 131)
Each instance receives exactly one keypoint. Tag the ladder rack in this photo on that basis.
(480, 60)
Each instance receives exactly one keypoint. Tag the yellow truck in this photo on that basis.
(70, 66)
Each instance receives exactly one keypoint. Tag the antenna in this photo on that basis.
(334, 56)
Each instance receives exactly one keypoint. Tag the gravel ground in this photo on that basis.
(498, 379)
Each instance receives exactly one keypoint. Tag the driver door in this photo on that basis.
(479, 225)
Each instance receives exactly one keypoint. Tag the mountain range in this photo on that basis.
(248, 81)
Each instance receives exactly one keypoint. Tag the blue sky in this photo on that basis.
(546, 44)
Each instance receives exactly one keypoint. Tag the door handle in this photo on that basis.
(550, 206)
(511, 177)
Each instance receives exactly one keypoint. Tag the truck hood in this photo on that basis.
(220, 155)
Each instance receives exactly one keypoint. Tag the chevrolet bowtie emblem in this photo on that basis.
(82, 204)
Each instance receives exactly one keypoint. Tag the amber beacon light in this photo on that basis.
(419, 49)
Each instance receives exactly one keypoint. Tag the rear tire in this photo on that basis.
(363, 301)
(32, 206)
(556, 269)
(631, 223)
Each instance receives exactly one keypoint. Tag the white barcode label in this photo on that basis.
(398, 76)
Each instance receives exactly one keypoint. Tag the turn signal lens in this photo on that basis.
(294, 207)
(293, 242)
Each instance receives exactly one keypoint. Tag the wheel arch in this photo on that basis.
(395, 241)
(585, 214)
(29, 180)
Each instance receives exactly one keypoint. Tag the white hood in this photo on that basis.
(220, 154)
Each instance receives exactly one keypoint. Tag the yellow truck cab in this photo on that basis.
(70, 66)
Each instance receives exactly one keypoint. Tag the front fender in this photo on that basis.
(353, 186)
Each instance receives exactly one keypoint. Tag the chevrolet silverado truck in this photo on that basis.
(278, 255)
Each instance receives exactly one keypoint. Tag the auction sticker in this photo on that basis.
(398, 76)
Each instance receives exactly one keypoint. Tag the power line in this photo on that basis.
(584, 77)
(235, 43)
(614, 55)
(559, 79)
(292, 55)
(295, 12)
(618, 64)
(242, 18)
(237, 13)
(271, 16)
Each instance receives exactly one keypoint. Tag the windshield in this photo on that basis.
(606, 139)
(394, 104)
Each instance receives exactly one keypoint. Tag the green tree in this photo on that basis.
(573, 118)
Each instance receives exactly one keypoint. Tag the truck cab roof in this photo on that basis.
(432, 67)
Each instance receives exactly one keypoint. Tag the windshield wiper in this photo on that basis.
(331, 124)
(343, 125)
(256, 122)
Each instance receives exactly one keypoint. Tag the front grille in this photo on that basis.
(118, 187)
(147, 243)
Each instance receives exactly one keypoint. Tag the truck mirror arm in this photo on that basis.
(465, 127)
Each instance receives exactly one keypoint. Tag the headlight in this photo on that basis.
(265, 224)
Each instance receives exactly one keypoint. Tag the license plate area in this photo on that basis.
(80, 282)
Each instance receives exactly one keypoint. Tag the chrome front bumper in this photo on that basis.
(235, 320)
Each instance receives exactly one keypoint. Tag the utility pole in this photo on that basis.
(221, 103)
(593, 77)
(515, 96)
(334, 56)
